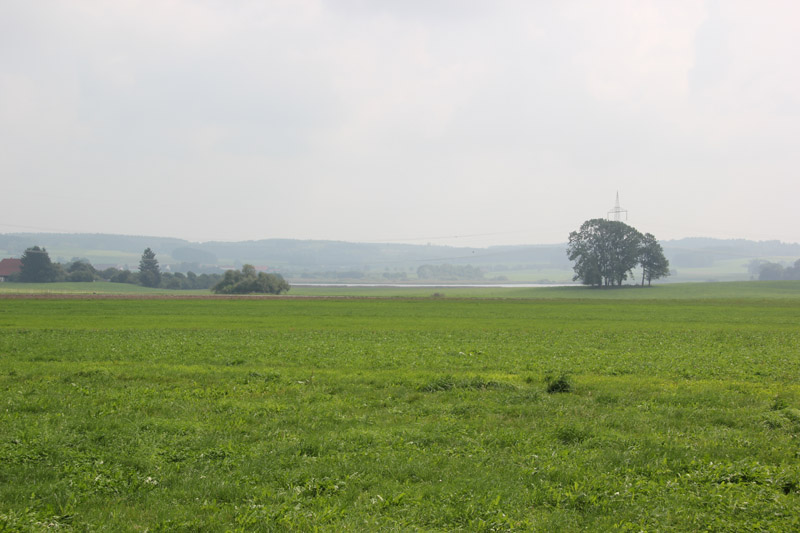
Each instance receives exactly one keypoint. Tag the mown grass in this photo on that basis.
(400, 414)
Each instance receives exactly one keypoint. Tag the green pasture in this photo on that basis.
(721, 270)
(678, 411)
(665, 291)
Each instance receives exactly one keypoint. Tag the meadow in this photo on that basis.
(675, 408)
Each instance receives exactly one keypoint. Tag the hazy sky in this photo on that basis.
(452, 122)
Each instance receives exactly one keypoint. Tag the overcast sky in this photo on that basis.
(453, 122)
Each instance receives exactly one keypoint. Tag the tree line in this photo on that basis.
(37, 267)
(768, 271)
(605, 252)
(449, 272)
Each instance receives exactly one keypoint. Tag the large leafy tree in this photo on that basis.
(651, 259)
(36, 266)
(248, 281)
(149, 273)
(605, 252)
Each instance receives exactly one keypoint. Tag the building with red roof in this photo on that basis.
(8, 267)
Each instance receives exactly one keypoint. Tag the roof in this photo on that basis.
(10, 266)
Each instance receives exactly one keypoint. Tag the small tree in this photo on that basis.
(36, 266)
(81, 270)
(149, 273)
(108, 273)
(651, 258)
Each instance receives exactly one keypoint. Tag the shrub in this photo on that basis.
(247, 281)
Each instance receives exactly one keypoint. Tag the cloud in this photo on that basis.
(369, 120)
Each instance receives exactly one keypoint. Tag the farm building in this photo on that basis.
(8, 267)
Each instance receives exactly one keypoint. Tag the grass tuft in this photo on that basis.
(558, 383)
(448, 382)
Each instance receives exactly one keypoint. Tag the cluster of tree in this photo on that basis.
(248, 281)
(150, 275)
(448, 272)
(37, 267)
(774, 271)
(169, 280)
(605, 253)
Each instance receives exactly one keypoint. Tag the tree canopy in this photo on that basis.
(247, 281)
(37, 267)
(605, 253)
(449, 272)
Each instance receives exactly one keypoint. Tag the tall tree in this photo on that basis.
(149, 273)
(605, 251)
(651, 259)
(36, 266)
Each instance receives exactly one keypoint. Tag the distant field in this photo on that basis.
(679, 409)
(546, 275)
(721, 270)
(748, 289)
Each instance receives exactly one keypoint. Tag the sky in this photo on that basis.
(457, 122)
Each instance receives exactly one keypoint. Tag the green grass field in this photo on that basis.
(679, 409)
(670, 291)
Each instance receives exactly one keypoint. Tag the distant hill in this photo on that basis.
(705, 252)
(690, 258)
(740, 247)
(280, 252)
